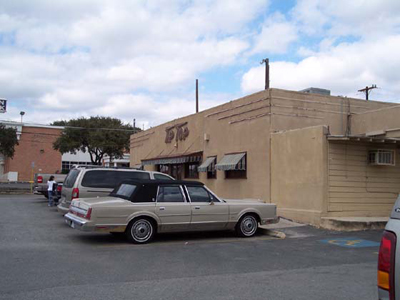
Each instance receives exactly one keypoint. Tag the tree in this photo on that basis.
(8, 141)
(98, 135)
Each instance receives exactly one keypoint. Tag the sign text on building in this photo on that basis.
(182, 132)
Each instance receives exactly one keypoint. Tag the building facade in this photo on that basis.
(35, 153)
(235, 149)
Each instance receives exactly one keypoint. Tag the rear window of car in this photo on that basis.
(124, 191)
(110, 179)
(162, 177)
(71, 178)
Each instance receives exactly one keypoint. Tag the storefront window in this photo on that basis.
(240, 171)
(211, 171)
(164, 169)
(191, 170)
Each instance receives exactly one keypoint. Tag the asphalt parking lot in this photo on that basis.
(42, 258)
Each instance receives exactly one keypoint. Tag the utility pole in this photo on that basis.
(266, 61)
(197, 95)
(367, 89)
(134, 123)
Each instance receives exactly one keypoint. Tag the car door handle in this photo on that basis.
(197, 207)
(162, 208)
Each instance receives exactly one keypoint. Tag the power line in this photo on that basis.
(135, 130)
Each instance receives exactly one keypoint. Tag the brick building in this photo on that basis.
(35, 153)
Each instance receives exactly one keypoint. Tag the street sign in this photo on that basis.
(3, 105)
(33, 164)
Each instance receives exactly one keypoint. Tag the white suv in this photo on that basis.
(89, 182)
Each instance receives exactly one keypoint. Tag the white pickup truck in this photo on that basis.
(40, 183)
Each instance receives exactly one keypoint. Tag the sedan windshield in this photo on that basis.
(125, 191)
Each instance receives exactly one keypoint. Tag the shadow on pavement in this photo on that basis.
(105, 239)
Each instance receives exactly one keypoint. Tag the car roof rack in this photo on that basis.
(101, 167)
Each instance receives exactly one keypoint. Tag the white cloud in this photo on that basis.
(343, 69)
(275, 36)
(76, 57)
(123, 58)
(361, 18)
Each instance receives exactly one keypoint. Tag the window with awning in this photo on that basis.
(173, 160)
(208, 164)
(209, 167)
(232, 162)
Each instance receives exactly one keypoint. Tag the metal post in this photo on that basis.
(197, 95)
(266, 61)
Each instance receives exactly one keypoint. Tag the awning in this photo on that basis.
(361, 138)
(230, 162)
(173, 160)
(205, 165)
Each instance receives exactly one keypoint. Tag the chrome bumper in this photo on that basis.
(77, 223)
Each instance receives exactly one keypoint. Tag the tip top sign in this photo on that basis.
(3, 105)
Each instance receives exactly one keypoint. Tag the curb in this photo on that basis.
(340, 225)
(273, 233)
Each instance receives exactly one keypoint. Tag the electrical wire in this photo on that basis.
(73, 127)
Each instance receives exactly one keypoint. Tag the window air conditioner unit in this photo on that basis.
(381, 157)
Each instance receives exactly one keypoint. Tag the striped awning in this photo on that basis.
(173, 160)
(205, 165)
(231, 162)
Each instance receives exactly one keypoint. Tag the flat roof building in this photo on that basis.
(316, 156)
(35, 153)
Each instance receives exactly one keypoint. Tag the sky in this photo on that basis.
(139, 59)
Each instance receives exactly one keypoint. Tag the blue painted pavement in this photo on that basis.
(350, 242)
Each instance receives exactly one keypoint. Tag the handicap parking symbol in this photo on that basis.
(350, 242)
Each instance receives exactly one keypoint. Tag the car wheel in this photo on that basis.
(247, 226)
(140, 231)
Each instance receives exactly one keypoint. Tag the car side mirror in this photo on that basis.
(211, 201)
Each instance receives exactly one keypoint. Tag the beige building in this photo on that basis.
(315, 156)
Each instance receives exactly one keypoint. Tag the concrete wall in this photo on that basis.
(357, 188)
(35, 145)
(382, 119)
(299, 173)
(292, 110)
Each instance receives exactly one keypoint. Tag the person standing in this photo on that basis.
(50, 188)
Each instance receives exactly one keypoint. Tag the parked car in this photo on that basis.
(40, 183)
(389, 258)
(89, 181)
(142, 208)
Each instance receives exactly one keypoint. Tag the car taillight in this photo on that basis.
(88, 213)
(75, 193)
(59, 188)
(386, 263)
(40, 179)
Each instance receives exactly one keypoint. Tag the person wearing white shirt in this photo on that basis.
(50, 188)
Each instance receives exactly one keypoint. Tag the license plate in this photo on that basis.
(70, 223)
